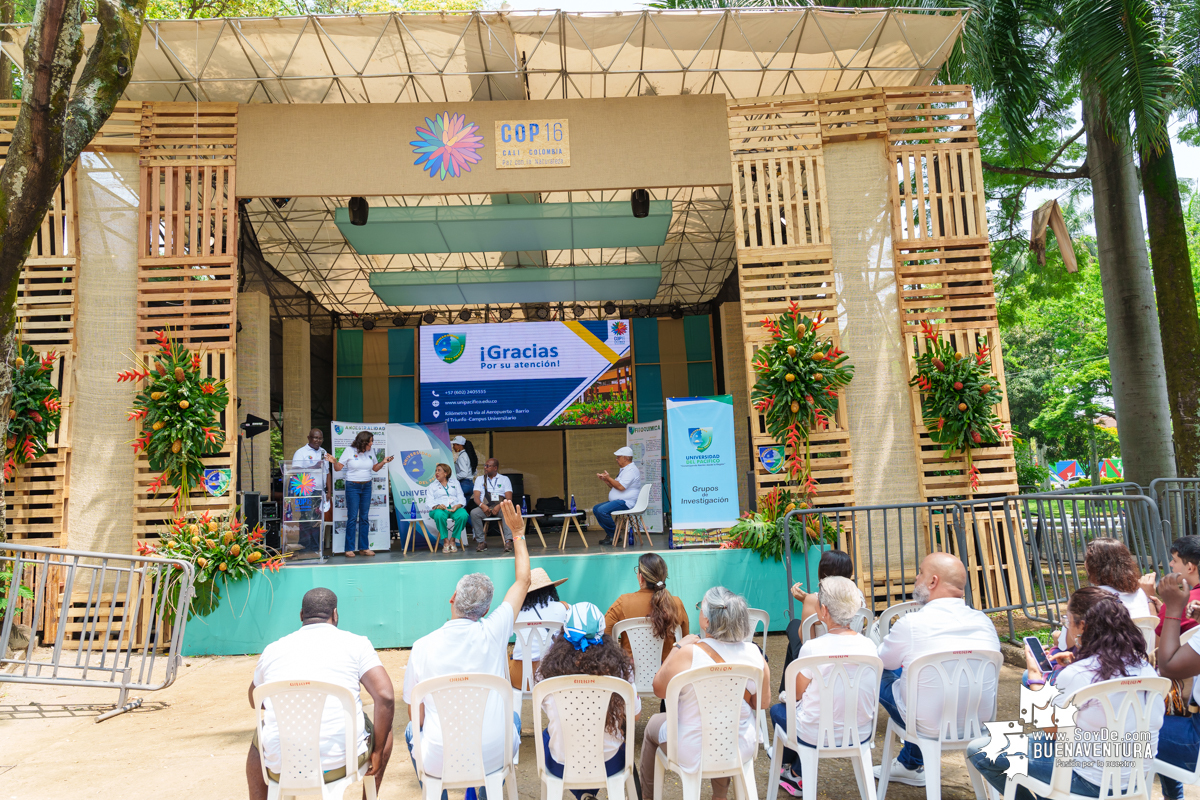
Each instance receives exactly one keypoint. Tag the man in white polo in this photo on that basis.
(943, 624)
(622, 492)
(312, 455)
(491, 489)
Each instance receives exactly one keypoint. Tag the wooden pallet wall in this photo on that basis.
(187, 266)
(943, 263)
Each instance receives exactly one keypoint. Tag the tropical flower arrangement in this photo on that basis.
(35, 411)
(799, 375)
(959, 396)
(223, 550)
(762, 530)
(179, 411)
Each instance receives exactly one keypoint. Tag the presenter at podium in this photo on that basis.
(308, 456)
(622, 492)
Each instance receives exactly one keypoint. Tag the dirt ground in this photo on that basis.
(190, 740)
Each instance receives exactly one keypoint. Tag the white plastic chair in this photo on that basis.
(1127, 691)
(582, 705)
(812, 627)
(888, 618)
(757, 615)
(298, 706)
(537, 633)
(718, 689)
(461, 700)
(1188, 634)
(647, 651)
(631, 521)
(1147, 626)
(951, 667)
(831, 674)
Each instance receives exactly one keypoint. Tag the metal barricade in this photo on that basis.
(107, 621)
(1179, 503)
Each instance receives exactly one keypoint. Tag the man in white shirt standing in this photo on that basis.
(313, 455)
(491, 489)
(472, 641)
(321, 652)
(943, 624)
(622, 492)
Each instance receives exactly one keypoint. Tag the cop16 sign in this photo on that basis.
(525, 144)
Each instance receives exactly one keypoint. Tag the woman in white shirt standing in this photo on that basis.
(725, 621)
(359, 465)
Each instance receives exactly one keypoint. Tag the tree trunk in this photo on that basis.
(1134, 345)
(1176, 296)
(6, 64)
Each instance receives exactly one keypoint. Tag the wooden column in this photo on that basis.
(297, 385)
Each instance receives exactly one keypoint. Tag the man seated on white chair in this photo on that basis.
(838, 599)
(622, 492)
(319, 651)
(944, 623)
(472, 641)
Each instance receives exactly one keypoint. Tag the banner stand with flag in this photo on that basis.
(702, 454)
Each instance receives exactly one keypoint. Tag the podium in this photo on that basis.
(302, 522)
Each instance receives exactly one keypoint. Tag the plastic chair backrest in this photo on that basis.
(646, 647)
(812, 627)
(582, 705)
(757, 615)
(719, 690)
(460, 701)
(1188, 634)
(298, 706)
(889, 616)
(830, 672)
(643, 500)
(1147, 626)
(952, 667)
(1118, 698)
(540, 632)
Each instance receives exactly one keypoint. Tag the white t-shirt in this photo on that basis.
(551, 612)
(631, 478)
(463, 646)
(612, 741)
(307, 457)
(689, 707)
(808, 708)
(318, 652)
(449, 495)
(1194, 643)
(1136, 602)
(356, 466)
(1091, 717)
(940, 626)
(462, 465)
(492, 486)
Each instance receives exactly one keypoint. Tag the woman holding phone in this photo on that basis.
(1036, 672)
(360, 466)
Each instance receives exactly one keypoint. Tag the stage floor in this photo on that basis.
(495, 550)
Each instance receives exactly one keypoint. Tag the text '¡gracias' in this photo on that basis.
(517, 357)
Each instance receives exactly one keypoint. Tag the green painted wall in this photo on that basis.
(401, 375)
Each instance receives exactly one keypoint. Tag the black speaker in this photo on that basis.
(517, 480)
(251, 508)
(359, 210)
(639, 201)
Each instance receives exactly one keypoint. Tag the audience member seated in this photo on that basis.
(944, 623)
(725, 622)
(1185, 561)
(1179, 742)
(1084, 598)
(1110, 646)
(541, 605)
(833, 562)
(837, 601)
(472, 641)
(321, 652)
(650, 600)
(584, 649)
(1111, 566)
(447, 506)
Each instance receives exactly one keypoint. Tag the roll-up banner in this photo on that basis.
(418, 449)
(702, 455)
(645, 439)
(378, 519)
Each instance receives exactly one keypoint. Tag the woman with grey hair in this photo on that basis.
(838, 599)
(725, 622)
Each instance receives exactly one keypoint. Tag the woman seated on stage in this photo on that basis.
(541, 605)
(650, 600)
(834, 563)
(1110, 646)
(446, 502)
(725, 621)
(837, 602)
(584, 649)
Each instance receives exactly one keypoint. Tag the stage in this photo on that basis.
(394, 599)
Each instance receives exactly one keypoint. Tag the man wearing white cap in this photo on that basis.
(622, 493)
(464, 470)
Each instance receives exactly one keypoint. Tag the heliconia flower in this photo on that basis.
(210, 433)
(159, 482)
(10, 466)
(206, 517)
(929, 331)
(973, 477)
(137, 413)
(48, 360)
(51, 403)
(207, 387)
(146, 549)
(793, 309)
(30, 451)
(132, 375)
(941, 423)
(831, 392)
(196, 360)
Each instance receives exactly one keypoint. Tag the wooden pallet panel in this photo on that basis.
(36, 500)
(197, 303)
(120, 132)
(950, 286)
(780, 204)
(855, 115)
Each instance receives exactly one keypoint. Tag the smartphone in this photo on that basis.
(1039, 654)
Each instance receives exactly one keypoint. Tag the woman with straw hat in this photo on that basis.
(541, 604)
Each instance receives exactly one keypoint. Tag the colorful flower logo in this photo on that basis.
(302, 485)
(447, 145)
(619, 328)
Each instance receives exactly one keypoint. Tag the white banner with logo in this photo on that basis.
(378, 518)
(645, 439)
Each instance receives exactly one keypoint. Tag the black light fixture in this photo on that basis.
(400, 320)
(542, 312)
(465, 314)
(639, 201)
(610, 308)
(643, 311)
(676, 311)
(578, 311)
(429, 318)
(505, 314)
(368, 323)
(359, 210)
